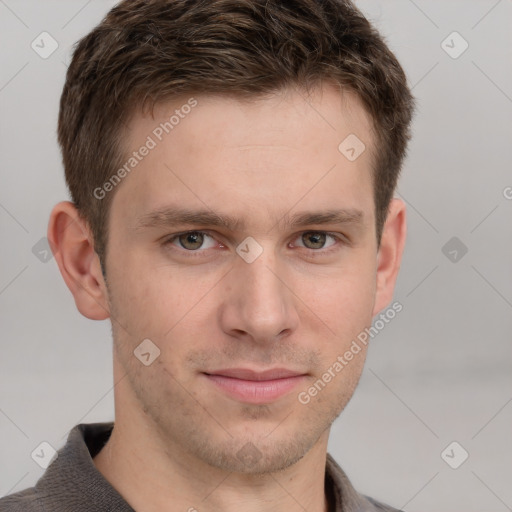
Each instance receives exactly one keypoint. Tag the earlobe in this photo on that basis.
(73, 248)
(390, 254)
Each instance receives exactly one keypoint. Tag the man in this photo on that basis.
(232, 167)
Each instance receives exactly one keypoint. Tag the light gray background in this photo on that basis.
(439, 372)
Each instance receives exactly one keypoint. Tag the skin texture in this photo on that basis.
(299, 305)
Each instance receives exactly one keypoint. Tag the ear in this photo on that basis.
(389, 255)
(72, 244)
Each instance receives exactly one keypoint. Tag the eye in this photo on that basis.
(191, 240)
(199, 241)
(316, 239)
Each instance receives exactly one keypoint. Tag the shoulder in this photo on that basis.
(381, 507)
(22, 501)
(71, 480)
(344, 495)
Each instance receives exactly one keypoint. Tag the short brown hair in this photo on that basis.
(150, 51)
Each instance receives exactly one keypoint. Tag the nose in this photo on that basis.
(259, 304)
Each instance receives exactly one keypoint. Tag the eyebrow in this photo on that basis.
(171, 217)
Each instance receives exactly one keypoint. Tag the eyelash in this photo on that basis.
(314, 252)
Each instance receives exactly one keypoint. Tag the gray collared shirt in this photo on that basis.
(72, 483)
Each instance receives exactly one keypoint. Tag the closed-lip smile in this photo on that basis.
(252, 386)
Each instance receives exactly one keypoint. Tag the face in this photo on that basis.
(251, 302)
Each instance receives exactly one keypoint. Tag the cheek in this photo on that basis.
(158, 300)
(343, 300)
(153, 300)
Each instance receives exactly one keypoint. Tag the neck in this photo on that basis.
(153, 474)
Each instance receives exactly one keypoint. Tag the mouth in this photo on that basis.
(255, 387)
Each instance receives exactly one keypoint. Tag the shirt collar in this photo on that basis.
(73, 473)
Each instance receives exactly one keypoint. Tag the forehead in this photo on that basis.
(222, 153)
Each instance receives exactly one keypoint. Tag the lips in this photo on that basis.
(246, 374)
(256, 387)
